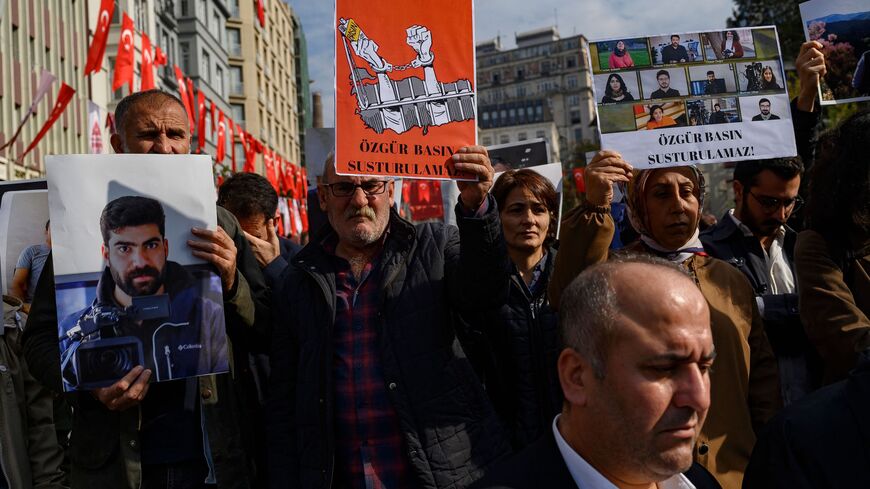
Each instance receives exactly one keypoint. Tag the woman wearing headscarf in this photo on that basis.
(620, 57)
(664, 205)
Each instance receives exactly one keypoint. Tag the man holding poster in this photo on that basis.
(405, 98)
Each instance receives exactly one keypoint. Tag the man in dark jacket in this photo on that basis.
(370, 387)
(755, 238)
(821, 441)
(635, 374)
(108, 447)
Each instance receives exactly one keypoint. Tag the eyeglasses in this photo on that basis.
(346, 189)
(771, 204)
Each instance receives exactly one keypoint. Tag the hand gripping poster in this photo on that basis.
(129, 290)
(693, 98)
(404, 87)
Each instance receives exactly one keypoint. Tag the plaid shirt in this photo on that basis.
(369, 444)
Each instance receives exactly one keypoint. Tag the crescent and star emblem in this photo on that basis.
(127, 39)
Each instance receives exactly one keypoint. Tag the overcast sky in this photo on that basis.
(595, 19)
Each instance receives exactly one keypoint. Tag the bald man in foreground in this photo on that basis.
(635, 374)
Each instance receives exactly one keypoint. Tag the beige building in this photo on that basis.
(262, 81)
(37, 35)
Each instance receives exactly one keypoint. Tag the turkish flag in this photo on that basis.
(261, 13)
(222, 137)
(191, 93)
(63, 97)
(200, 130)
(250, 166)
(213, 118)
(147, 64)
(185, 99)
(232, 136)
(288, 176)
(159, 57)
(303, 208)
(124, 61)
(424, 199)
(101, 35)
(269, 163)
(580, 179)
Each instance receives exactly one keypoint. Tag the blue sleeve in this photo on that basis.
(25, 259)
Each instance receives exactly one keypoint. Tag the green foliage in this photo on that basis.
(785, 15)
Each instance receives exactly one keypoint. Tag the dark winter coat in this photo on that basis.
(451, 431)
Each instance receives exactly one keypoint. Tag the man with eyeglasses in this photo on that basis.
(370, 387)
(755, 238)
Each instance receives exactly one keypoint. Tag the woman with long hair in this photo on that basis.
(620, 57)
(731, 47)
(658, 119)
(616, 91)
(768, 79)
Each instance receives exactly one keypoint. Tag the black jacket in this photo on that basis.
(727, 242)
(516, 346)
(819, 442)
(450, 430)
(540, 465)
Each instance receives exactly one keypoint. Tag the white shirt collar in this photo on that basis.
(586, 477)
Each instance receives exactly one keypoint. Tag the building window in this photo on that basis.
(540, 134)
(185, 57)
(578, 134)
(570, 62)
(575, 117)
(215, 25)
(574, 100)
(572, 81)
(238, 111)
(236, 81)
(522, 136)
(504, 139)
(139, 13)
(219, 80)
(205, 65)
(487, 141)
(234, 42)
(234, 8)
(185, 8)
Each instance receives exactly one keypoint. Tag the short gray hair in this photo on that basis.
(590, 307)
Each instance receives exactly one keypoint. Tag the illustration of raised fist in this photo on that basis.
(420, 39)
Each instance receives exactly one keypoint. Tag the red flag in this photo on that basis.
(222, 137)
(287, 176)
(250, 167)
(63, 97)
(191, 93)
(185, 99)
(159, 57)
(124, 61)
(269, 163)
(261, 13)
(303, 208)
(110, 122)
(213, 118)
(232, 137)
(101, 35)
(580, 179)
(200, 131)
(147, 64)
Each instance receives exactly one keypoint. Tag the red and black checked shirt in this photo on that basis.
(369, 451)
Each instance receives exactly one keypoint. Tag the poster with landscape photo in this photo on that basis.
(843, 29)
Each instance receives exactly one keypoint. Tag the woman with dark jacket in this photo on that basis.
(521, 336)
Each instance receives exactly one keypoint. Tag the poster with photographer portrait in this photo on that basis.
(842, 27)
(700, 102)
(129, 290)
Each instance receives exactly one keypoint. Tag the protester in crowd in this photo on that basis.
(252, 199)
(188, 431)
(616, 91)
(805, 110)
(30, 456)
(369, 383)
(636, 375)
(755, 238)
(620, 57)
(28, 269)
(768, 79)
(665, 206)
(730, 46)
(658, 119)
(821, 441)
(832, 257)
(522, 333)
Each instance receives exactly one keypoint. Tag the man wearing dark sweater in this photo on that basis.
(674, 52)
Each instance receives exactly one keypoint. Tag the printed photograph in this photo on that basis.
(620, 54)
(765, 108)
(616, 118)
(25, 239)
(766, 43)
(660, 116)
(129, 291)
(613, 88)
(843, 29)
(518, 155)
(760, 76)
(712, 79)
(666, 82)
(729, 44)
(676, 48)
(709, 111)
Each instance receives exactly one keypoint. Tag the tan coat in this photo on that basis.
(834, 309)
(744, 380)
(29, 451)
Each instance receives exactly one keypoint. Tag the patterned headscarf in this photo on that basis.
(637, 212)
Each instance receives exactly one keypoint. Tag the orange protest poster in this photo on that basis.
(404, 87)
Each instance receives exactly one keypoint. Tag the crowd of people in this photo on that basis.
(385, 354)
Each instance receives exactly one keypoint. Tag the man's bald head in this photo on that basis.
(631, 287)
(152, 121)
